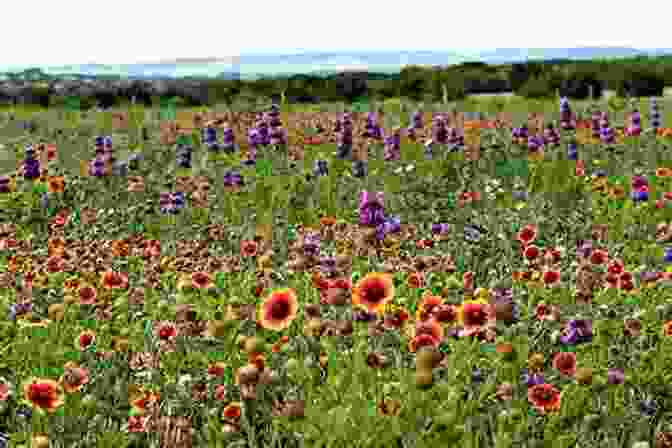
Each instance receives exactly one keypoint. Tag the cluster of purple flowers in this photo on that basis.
(311, 244)
(372, 213)
(232, 178)
(183, 155)
(209, 136)
(535, 142)
(393, 146)
(30, 166)
(321, 168)
(344, 136)
(551, 135)
(439, 130)
(278, 135)
(640, 189)
(567, 121)
(416, 123)
(103, 154)
(595, 123)
(577, 331)
(607, 134)
(520, 132)
(171, 202)
(654, 115)
(635, 127)
(572, 151)
(373, 129)
(455, 139)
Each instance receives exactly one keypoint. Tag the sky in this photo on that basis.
(78, 32)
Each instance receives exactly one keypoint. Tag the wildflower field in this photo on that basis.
(409, 277)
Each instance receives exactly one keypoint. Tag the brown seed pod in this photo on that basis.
(427, 358)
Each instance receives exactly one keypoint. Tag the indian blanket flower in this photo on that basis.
(373, 291)
(146, 402)
(56, 184)
(248, 248)
(74, 377)
(278, 310)
(165, 331)
(5, 390)
(43, 394)
(544, 311)
(527, 234)
(473, 315)
(201, 280)
(87, 295)
(565, 363)
(85, 340)
(430, 304)
(551, 277)
(667, 328)
(137, 423)
(114, 280)
(544, 397)
(55, 264)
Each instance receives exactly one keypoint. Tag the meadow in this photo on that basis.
(486, 283)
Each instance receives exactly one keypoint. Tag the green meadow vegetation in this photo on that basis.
(512, 295)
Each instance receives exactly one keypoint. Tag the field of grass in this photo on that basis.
(268, 315)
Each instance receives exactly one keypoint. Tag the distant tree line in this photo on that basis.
(635, 77)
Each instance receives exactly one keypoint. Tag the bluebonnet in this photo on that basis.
(44, 200)
(11, 312)
(572, 152)
(639, 195)
(477, 375)
(97, 167)
(648, 408)
(371, 209)
(232, 178)
(321, 168)
(171, 202)
(328, 264)
(359, 168)
(584, 248)
(577, 331)
(311, 244)
(473, 233)
(389, 225)
(668, 255)
(531, 379)
(360, 315)
(24, 412)
(120, 168)
(31, 168)
(654, 114)
(440, 228)
(429, 149)
(519, 195)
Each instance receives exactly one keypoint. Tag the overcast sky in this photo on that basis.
(124, 31)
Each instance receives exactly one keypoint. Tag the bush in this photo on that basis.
(537, 87)
(641, 85)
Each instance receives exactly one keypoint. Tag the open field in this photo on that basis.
(500, 293)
